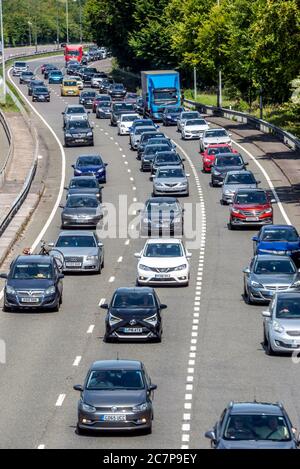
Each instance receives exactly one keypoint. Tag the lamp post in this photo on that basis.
(57, 25)
(67, 19)
(29, 29)
(219, 95)
(3, 90)
(195, 83)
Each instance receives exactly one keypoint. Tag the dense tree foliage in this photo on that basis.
(255, 43)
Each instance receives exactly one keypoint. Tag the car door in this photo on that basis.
(57, 280)
(268, 321)
(150, 394)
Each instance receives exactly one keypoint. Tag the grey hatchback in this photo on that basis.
(253, 425)
(116, 395)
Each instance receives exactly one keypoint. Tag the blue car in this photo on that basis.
(90, 165)
(279, 240)
(55, 77)
(170, 115)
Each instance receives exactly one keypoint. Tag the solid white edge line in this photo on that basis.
(63, 172)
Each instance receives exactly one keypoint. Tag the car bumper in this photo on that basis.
(284, 343)
(171, 190)
(134, 421)
(80, 224)
(70, 93)
(86, 266)
(235, 221)
(227, 198)
(102, 115)
(41, 100)
(77, 142)
(46, 302)
(145, 335)
(124, 131)
(174, 278)
(261, 295)
(156, 230)
(189, 136)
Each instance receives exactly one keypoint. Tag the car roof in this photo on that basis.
(164, 241)
(84, 194)
(272, 257)
(163, 199)
(76, 233)
(241, 191)
(163, 168)
(134, 290)
(238, 171)
(85, 178)
(279, 227)
(116, 364)
(74, 106)
(229, 154)
(34, 258)
(256, 408)
(88, 156)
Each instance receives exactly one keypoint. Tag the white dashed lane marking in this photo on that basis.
(60, 400)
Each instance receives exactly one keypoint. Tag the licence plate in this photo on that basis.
(162, 276)
(136, 330)
(252, 219)
(73, 264)
(79, 140)
(113, 418)
(30, 300)
(81, 220)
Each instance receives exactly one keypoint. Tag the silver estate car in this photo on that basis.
(170, 180)
(235, 180)
(136, 134)
(282, 324)
(82, 251)
(81, 210)
(268, 274)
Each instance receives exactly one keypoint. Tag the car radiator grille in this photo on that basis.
(30, 293)
(73, 259)
(293, 333)
(276, 287)
(252, 213)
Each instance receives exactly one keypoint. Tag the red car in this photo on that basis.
(43, 68)
(251, 207)
(208, 156)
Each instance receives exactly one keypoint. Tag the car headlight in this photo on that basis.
(89, 134)
(140, 407)
(91, 258)
(207, 160)
(181, 267)
(183, 184)
(50, 291)
(256, 284)
(78, 171)
(266, 250)
(10, 290)
(113, 319)
(152, 320)
(228, 191)
(268, 210)
(235, 210)
(177, 220)
(100, 170)
(68, 135)
(146, 220)
(277, 327)
(87, 407)
(144, 267)
(296, 284)
(217, 173)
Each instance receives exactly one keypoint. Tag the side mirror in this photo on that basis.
(246, 271)
(105, 164)
(66, 188)
(61, 276)
(230, 135)
(188, 255)
(273, 201)
(78, 387)
(182, 159)
(188, 175)
(100, 245)
(3, 275)
(255, 238)
(258, 182)
(61, 206)
(51, 245)
(73, 166)
(246, 164)
(137, 254)
(163, 306)
(266, 314)
(211, 435)
(152, 387)
(62, 113)
(104, 306)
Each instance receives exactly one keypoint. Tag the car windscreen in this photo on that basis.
(76, 110)
(110, 380)
(82, 201)
(32, 270)
(104, 104)
(77, 124)
(88, 94)
(250, 198)
(144, 123)
(56, 72)
(163, 206)
(20, 64)
(270, 267)
(159, 141)
(215, 151)
(133, 300)
(76, 242)
(228, 161)
(173, 110)
(39, 90)
(70, 83)
(89, 161)
(240, 178)
(88, 183)
(163, 250)
(27, 74)
(118, 87)
(170, 173)
(257, 427)
(288, 308)
(190, 115)
(280, 234)
(216, 133)
(168, 158)
(140, 130)
(152, 149)
(195, 122)
(123, 107)
(129, 118)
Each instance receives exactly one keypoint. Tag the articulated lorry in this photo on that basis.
(160, 89)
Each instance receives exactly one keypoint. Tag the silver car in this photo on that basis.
(82, 251)
(184, 115)
(170, 180)
(235, 180)
(74, 112)
(282, 324)
(213, 137)
(81, 210)
(268, 274)
(135, 136)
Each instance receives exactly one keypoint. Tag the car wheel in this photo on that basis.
(213, 183)
(55, 308)
(247, 297)
(265, 340)
(61, 299)
(6, 309)
(269, 350)
(102, 265)
(230, 226)
(80, 431)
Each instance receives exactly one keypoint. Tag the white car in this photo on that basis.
(125, 122)
(163, 262)
(184, 115)
(193, 128)
(213, 137)
(79, 81)
(96, 80)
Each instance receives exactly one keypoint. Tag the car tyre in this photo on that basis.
(6, 309)
(265, 340)
(247, 297)
(269, 350)
(80, 431)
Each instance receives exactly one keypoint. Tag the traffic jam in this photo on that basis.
(118, 394)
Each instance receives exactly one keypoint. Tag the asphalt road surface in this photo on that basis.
(211, 350)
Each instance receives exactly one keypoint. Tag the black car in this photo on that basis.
(103, 110)
(162, 216)
(40, 93)
(117, 91)
(26, 77)
(78, 133)
(86, 98)
(49, 68)
(155, 141)
(85, 185)
(116, 395)
(34, 83)
(146, 136)
(118, 109)
(105, 85)
(33, 282)
(170, 115)
(73, 69)
(87, 73)
(166, 158)
(253, 425)
(133, 314)
(149, 154)
(223, 163)
(139, 105)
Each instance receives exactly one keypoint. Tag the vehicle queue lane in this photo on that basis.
(232, 364)
(41, 361)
